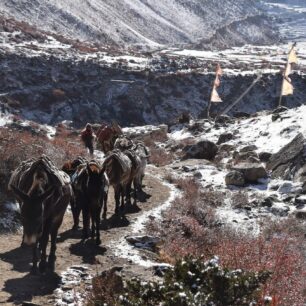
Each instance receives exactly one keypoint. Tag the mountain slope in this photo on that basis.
(139, 22)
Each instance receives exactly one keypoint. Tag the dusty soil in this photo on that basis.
(21, 288)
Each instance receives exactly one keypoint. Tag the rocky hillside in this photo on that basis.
(148, 23)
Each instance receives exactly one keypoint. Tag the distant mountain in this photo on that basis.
(151, 23)
(290, 16)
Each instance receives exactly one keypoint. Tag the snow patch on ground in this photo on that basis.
(125, 250)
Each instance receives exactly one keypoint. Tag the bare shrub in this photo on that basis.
(160, 157)
(17, 146)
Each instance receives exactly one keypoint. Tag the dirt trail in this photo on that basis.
(19, 287)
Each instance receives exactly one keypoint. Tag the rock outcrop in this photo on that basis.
(285, 163)
(202, 150)
(235, 178)
(252, 172)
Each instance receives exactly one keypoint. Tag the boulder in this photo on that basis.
(225, 138)
(289, 158)
(252, 172)
(223, 119)
(241, 115)
(301, 214)
(234, 178)
(304, 187)
(275, 117)
(300, 200)
(264, 157)
(226, 147)
(249, 148)
(269, 201)
(144, 242)
(280, 109)
(244, 156)
(202, 150)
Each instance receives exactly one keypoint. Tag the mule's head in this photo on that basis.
(32, 212)
(95, 181)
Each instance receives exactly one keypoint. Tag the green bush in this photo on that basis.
(194, 282)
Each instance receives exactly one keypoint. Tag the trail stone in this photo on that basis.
(301, 214)
(244, 156)
(234, 178)
(252, 172)
(204, 149)
(224, 119)
(269, 201)
(248, 148)
(264, 156)
(225, 138)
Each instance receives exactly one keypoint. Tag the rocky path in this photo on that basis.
(75, 259)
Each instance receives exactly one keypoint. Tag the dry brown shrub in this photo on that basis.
(106, 289)
(18, 146)
(160, 157)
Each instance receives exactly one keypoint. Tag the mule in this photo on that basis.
(71, 169)
(143, 153)
(117, 167)
(43, 206)
(134, 174)
(91, 187)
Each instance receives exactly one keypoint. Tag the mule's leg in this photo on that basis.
(135, 191)
(117, 190)
(43, 247)
(78, 209)
(93, 223)
(52, 257)
(73, 205)
(97, 217)
(86, 220)
(128, 189)
(104, 196)
(35, 259)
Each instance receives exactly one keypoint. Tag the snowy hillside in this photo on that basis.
(147, 22)
(252, 143)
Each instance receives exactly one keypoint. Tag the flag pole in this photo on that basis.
(209, 104)
(242, 96)
(286, 67)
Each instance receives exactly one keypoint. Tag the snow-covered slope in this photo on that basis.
(263, 134)
(291, 16)
(144, 22)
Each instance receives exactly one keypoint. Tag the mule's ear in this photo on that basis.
(23, 196)
(46, 194)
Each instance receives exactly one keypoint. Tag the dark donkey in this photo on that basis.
(44, 193)
(117, 167)
(71, 168)
(92, 187)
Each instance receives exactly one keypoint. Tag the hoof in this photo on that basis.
(75, 227)
(85, 235)
(122, 207)
(51, 265)
(42, 266)
(34, 271)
